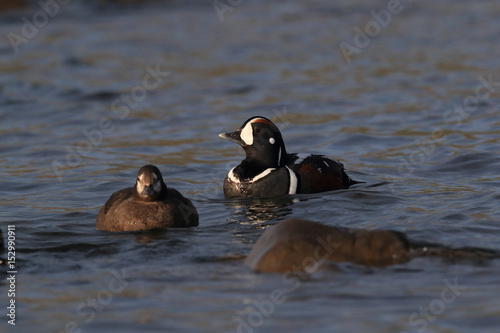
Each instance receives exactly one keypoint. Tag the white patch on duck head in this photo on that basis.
(140, 188)
(272, 141)
(247, 134)
(143, 180)
(140, 184)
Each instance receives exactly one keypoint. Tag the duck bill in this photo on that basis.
(234, 137)
(148, 192)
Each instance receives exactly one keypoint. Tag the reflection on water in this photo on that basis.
(256, 211)
(392, 117)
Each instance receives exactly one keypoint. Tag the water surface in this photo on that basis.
(71, 135)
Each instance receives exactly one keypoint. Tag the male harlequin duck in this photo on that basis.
(268, 170)
(147, 205)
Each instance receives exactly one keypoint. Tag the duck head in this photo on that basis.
(262, 141)
(149, 185)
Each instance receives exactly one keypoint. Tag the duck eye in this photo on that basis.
(257, 130)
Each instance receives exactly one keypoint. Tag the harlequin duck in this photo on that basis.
(268, 170)
(147, 205)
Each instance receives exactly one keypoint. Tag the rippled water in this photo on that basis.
(71, 135)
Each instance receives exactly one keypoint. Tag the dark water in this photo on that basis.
(410, 114)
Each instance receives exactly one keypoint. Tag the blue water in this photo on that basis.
(410, 115)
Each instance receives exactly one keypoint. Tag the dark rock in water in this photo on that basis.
(296, 245)
(12, 5)
(299, 245)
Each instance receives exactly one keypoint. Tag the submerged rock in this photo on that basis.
(296, 245)
(12, 5)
